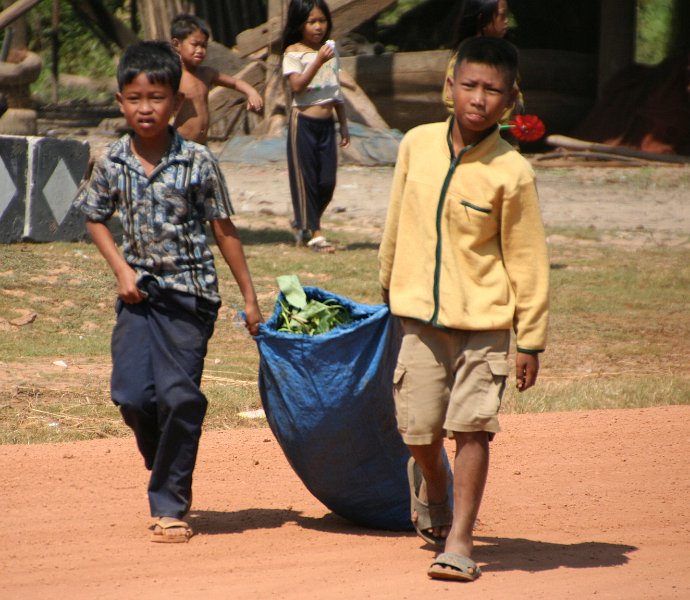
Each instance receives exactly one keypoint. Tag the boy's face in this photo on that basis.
(481, 94)
(192, 49)
(148, 107)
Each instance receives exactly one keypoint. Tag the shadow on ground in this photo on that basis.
(210, 522)
(517, 554)
(259, 237)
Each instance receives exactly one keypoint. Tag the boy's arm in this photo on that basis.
(231, 248)
(254, 100)
(526, 260)
(342, 119)
(124, 274)
(390, 230)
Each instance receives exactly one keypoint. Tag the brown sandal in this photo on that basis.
(171, 532)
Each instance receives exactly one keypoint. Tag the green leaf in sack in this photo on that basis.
(307, 316)
(292, 290)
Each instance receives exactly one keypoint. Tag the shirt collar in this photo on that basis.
(178, 151)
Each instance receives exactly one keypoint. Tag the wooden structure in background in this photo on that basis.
(155, 16)
(346, 15)
(616, 39)
(102, 20)
(402, 88)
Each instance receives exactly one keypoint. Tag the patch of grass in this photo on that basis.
(619, 334)
(36, 412)
(70, 291)
(600, 391)
(579, 233)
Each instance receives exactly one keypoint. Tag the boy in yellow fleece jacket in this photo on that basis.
(463, 260)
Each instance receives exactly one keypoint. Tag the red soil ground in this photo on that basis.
(578, 505)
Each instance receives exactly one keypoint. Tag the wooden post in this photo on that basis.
(275, 99)
(617, 24)
(155, 16)
(6, 44)
(276, 8)
(15, 10)
(133, 16)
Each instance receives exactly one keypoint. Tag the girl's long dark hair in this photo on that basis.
(298, 13)
(474, 16)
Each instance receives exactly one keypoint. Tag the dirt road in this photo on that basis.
(578, 505)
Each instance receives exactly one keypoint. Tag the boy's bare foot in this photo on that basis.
(171, 530)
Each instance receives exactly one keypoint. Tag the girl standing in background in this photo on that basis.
(311, 67)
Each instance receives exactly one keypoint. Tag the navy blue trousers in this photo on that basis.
(158, 350)
(312, 156)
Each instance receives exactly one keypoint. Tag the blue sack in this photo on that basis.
(328, 400)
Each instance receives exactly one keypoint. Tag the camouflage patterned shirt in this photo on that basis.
(162, 216)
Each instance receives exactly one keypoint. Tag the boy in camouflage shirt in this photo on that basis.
(164, 189)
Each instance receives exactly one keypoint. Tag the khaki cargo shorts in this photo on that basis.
(448, 380)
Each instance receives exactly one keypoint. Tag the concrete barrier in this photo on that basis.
(39, 177)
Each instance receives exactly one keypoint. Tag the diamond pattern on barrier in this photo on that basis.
(7, 188)
(60, 190)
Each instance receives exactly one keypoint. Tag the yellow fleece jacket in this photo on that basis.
(464, 246)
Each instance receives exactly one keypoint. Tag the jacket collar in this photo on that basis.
(472, 151)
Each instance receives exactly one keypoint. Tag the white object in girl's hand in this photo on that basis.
(330, 44)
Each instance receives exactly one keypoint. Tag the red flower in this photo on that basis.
(527, 128)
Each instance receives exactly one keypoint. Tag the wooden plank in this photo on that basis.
(569, 143)
(275, 100)
(16, 10)
(96, 13)
(226, 106)
(276, 9)
(346, 15)
(359, 107)
(403, 72)
(155, 16)
(399, 72)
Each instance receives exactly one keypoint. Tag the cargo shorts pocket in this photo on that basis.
(499, 371)
(400, 398)
(495, 388)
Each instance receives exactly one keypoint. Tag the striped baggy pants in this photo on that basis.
(312, 162)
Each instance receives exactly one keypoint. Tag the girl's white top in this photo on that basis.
(324, 88)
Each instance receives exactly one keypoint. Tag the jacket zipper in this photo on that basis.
(454, 161)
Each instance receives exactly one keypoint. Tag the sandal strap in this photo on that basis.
(319, 242)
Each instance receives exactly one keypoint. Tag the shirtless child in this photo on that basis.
(190, 38)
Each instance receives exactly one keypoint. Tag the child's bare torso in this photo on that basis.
(192, 118)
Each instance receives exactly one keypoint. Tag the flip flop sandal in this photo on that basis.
(164, 532)
(454, 567)
(426, 516)
(320, 244)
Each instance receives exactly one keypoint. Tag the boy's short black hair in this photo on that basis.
(157, 59)
(495, 52)
(184, 24)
